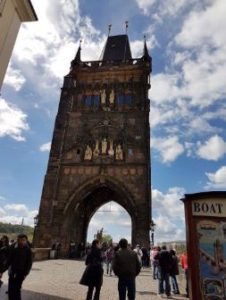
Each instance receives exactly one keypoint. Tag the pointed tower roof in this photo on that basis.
(77, 59)
(78, 55)
(146, 56)
(117, 48)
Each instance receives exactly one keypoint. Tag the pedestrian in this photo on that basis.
(4, 253)
(154, 261)
(139, 253)
(174, 271)
(81, 250)
(184, 265)
(145, 257)
(19, 263)
(109, 254)
(93, 274)
(165, 264)
(126, 266)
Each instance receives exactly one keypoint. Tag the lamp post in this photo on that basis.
(152, 229)
(36, 220)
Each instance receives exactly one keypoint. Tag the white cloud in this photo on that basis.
(45, 147)
(217, 180)
(164, 87)
(44, 49)
(14, 213)
(145, 5)
(169, 148)
(168, 204)
(213, 149)
(2, 212)
(18, 209)
(167, 231)
(13, 121)
(168, 214)
(204, 69)
(14, 78)
(199, 27)
(188, 96)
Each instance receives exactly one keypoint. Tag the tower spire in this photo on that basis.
(78, 54)
(109, 29)
(77, 59)
(146, 55)
(127, 25)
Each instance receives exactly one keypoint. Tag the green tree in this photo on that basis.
(107, 239)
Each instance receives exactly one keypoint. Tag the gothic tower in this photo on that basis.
(100, 148)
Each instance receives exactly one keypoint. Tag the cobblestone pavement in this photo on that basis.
(59, 280)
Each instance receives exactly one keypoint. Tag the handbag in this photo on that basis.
(86, 276)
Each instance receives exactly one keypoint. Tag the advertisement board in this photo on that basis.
(205, 218)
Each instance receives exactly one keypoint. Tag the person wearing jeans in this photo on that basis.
(165, 265)
(164, 278)
(126, 266)
(126, 284)
(174, 272)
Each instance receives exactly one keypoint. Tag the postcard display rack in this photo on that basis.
(205, 217)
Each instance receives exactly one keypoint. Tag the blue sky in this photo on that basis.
(187, 42)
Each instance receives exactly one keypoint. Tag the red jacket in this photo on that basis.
(184, 261)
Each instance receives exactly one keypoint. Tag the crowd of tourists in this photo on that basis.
(126, 264)
(119, 259)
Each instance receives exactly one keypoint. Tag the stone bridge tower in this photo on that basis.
(100, 148)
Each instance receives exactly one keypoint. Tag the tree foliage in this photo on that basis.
(12, 230)
(103, 238)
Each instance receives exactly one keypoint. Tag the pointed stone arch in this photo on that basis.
(87, 199)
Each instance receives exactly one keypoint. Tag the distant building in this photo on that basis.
(12, 14)
(179, 246)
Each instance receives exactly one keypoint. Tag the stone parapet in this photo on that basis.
(41, 253)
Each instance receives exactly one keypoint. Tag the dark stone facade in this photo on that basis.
(100, 149)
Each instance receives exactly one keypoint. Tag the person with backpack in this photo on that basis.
(165, 265)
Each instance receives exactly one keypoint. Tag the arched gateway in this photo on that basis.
(100, 148)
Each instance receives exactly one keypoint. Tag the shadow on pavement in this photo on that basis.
(146, 293)
(29, 295)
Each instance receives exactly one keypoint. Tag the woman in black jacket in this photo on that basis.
(93, 275)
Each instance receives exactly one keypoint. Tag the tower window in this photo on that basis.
(96, 100)
(120, 99)
(128, 99)
(88, 100)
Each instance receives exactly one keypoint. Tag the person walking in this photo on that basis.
(109, 257)
(4, 253)
(126, 266)
(154, 261)
(174, 271)
(139, 253)
(184, 264)
(93, 274)
(165, 264)
(19, 264)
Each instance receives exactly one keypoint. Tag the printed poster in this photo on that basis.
(212, 259)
